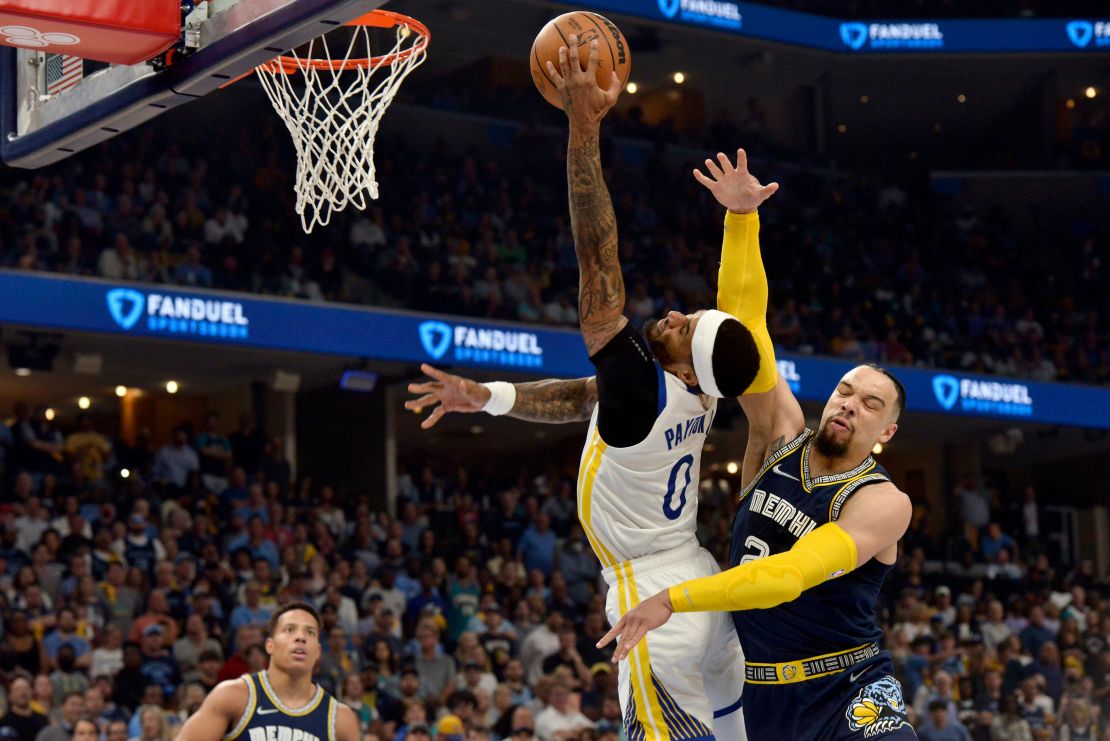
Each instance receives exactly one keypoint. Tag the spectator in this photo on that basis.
(65, 634)
(940, 726)
(188, 649)
(560, 715)
(537, 546)
(1037, 633)
(214, 453)
(157, 614)
(158, 666)
(1009, 725)
(119, 262)
(73, 708)
(20, 716)
(67, 678)
(437, 670)
(176, 461)
(252, 611)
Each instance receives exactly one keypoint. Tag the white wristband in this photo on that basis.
(502, 397)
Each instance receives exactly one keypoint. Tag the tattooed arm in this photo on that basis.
(593, 223)
(553, 401)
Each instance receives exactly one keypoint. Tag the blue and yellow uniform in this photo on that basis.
(815, 670)
(266, 718)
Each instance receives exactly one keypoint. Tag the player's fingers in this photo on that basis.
(564, 66)
(423, 401)
(768, 190)
(424, 387)
(613, 633)
(591, 60)
(431, 370)
(435, 416)
(726, 165)
(701, 178)
(614, 86)
(713, 169)
(741, 159)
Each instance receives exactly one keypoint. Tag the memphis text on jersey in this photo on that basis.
(280, 733)
(796, 522)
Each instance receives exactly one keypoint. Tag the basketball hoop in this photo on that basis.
(334, 118)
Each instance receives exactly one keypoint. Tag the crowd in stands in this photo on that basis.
(927, 9)
(860, 268)
(472, 614)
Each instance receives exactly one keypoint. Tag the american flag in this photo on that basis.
(62, 72)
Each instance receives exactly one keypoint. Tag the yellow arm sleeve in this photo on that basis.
(742, 291)
(825, 553)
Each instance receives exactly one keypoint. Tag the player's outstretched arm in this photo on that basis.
(217, 715)
(774, 415)
(874, 519)
(594, 225)
(553, 400)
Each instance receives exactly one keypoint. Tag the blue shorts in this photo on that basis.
(860, 703)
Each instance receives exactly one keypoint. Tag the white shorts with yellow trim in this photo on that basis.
(683, 682)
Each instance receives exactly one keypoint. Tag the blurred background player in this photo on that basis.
(281, 701)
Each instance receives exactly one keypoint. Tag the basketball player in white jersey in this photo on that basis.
(280, 702)
(650, 407)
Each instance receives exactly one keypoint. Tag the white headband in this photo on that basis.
(705, 335)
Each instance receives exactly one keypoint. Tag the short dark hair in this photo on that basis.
(735, 358)
(310, 609)
(898, 387)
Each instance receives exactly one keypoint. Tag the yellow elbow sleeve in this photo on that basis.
(825, 553)
(742, 291)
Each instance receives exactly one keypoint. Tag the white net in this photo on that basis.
(332, 105)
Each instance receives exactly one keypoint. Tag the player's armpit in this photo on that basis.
(876, 517)
(219, 712)
(825, 553)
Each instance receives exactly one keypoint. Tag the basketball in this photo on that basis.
(613, 52)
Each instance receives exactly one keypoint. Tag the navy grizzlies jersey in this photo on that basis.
(781, 505)
(268, 719)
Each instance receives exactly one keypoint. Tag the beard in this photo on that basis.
(828, 447)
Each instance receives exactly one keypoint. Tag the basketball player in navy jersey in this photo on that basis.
(815, 534)
(281, 702)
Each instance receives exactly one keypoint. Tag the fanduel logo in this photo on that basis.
(705, 12)
(891, 36)
(991, 397)
(177, 314)
(1083, 33)
(481, 345)
(789, 373)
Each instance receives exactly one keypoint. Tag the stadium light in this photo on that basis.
(680, 77)
(49, 414)
(841, 128)
(632, 88)
(1090, 92)
(124, 473)
(171, 387)
(1070, 103)
(865, 99)
(732, 467)
(84, 402)
(23, 372)
(121, 391)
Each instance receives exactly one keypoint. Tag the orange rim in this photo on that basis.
(376, 19)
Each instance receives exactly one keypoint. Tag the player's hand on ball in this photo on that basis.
(634, 626)
(584, 101)
(448, 393)
(734, 187)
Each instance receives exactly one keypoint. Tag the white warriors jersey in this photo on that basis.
(643, 499)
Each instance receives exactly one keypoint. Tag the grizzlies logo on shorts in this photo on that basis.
(878, 708)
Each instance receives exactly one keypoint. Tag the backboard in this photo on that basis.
(226, 39)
